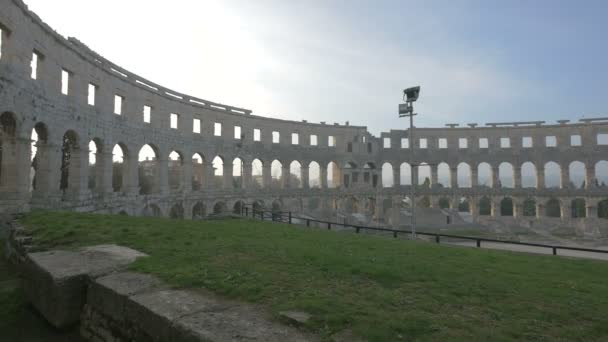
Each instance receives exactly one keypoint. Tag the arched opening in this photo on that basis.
(295, 174)
(463, 177)
(148, 170)
(506, 207)
(553, 208)
(349, 174)
(602, 209)
(39, 155)
(218, 172)
(8, 153)
(237, 173)
(177, 211)
(506, 176)
(529, 207)
(238, 208)
(119, 169)
(175, 165)
(529, 178)
(369, 174)
(444, 203)
(485, 206)
(424, 175)
(578, 208)
(553, 175)
(95, 164)
(199, 211)
(314, 175)
(276, 174)
(463, 205)
(387, 175)
(257, 174)
(151, 210)
(405, 171)
(443, 175)
(333, 175)
(198, 172)
(601, 173)
(484, 175)
(577, 175)
(70, 162)
(220, 208)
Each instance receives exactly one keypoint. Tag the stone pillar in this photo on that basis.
(589, 175)
(473, 208)
(566, 209)
(591, 210)
(130, 181)
(517, 177)
(162, 166)
(540, 177)
(565, 177)
(227, 178)
(285, 176)
(495, 178)
(324, 177)
(474, 177)
(267, 174)
(304, 172)
(540, 209)
(396, 212)
(78, 174)
(453, 178)
(434, 176)
(246, 175)
(209, 176)
(517, 209)
(8, 175)
(42, 181)
(186, 176)
(495, 207)
(396, 176)
(22, 167)
(104, 170)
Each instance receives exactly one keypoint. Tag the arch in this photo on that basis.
(444, 203)
(424, 174)
(529, 177)
(151, 210)
(237, 173)
(443, 175)
(506, 176)
(177, 211)
(463, 205)
(198, 172)
(70, 161)
(39, 155)
(238, 207)
(199, 211)
(276, 173)
(464, 175)
(295, 174)
(405, 172)
(257, 173)
(258, 206)
(577, 171)
(484, 175)
(218, 172)
(148, 169)
(553, 175)
(485, 206)
(601, 173)
(95, 164)
(578, 208)
(387, 175)
(506, 207)
(220, 207)
(529, 207)
(314, 175)
(553, 208)
(333, 175)
(175, 170)
(119, 169)
(369, 174)
(602, 209)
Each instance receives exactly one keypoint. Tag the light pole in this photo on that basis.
(410, 95)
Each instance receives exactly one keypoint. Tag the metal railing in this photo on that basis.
(288, 217)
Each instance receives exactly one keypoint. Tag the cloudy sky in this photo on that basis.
(336, 61)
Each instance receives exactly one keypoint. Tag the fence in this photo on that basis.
(287, 217)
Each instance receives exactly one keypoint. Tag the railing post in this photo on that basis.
(290, 217)
(437, 238)
(478, 243)
(554, 250)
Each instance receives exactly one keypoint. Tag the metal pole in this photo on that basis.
(412, 174)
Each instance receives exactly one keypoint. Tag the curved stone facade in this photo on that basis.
(66, 123)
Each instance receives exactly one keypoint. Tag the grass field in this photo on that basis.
(379, 288)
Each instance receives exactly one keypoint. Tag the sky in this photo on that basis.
(337, 61)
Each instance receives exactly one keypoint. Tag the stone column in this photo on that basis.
(130, 181)
(285, 176)
(396, 212)
(396, 176)
(227, 178)
(592, 210)
(42, 185)
(495, 207)
(565, 177)
(474, 177)
(473, 208)
(453, 178)
(434, 176)
(589, 175)
(163, 175)
(304, 171)
(517, 209)
(186, 176)
(566, 209)
(78, 174)
(324, 177)
(540, 209)
(104, 170)
(267, 175)
(495, 177)
(540, 177)
(246, 175)
(517, 177)
(209, 176)
(8, 180)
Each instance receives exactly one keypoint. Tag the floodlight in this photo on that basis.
(411, 94)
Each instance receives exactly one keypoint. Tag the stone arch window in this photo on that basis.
(485, 206)
(199, 211)
(484, 175)
(443, 175)
(553, 175)
(463, 175)
(220, 208)
(314, 175)
(387, 175)
(529, 207)
(218, 172)
(333, 175)
(463, 205)
(238, 207)
(529, 177)
(148, 170)
(237, 173)
(578, 208)
(602, 209)
(177, 211)
(176, 169)
(424, 175)
(257, 173)
(40, 157)
(276, 174)
(577, 170)
(295, 174)
(198, 172)
(506, 207)
(405, 173)
(553, 208)
(506, 175)
(95, 164)
(119, 168)
(70, 162)
(601, 173)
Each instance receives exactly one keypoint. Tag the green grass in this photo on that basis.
(380, 288)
